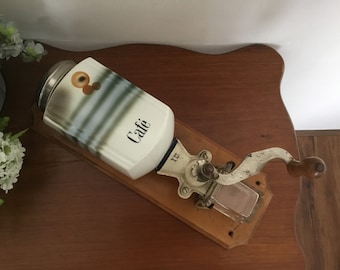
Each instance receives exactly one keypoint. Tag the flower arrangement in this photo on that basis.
(12, 45)
(11, 150)
(11, 156)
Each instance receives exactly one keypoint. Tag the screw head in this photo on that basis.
(185, 190)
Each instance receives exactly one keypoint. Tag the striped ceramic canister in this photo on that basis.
(107, 115)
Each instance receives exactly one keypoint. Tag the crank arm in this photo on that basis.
(221, 187)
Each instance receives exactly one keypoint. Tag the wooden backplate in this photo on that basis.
(162, 190)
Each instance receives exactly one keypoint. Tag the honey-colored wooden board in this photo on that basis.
(162, 190)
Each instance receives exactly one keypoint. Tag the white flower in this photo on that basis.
(11, 157)
(32, 51)
(12, 45)
(11, 160)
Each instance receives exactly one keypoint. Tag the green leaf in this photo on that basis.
(1, 202)
(17, 135)
(3, 122)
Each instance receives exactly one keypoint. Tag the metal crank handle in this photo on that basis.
(221, 187)
(195, 173)
(253, 163)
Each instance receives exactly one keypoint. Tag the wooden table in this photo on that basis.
(65, 214)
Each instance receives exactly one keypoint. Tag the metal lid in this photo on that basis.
(54, 75)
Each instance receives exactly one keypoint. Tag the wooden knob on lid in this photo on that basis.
(312, 167)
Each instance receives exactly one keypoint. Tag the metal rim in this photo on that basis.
(54, 75)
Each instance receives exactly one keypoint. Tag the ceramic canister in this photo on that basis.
(109, 116)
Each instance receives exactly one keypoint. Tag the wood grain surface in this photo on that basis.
(66, 214)
(318, 211)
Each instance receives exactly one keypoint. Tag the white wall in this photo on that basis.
(305, 32)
